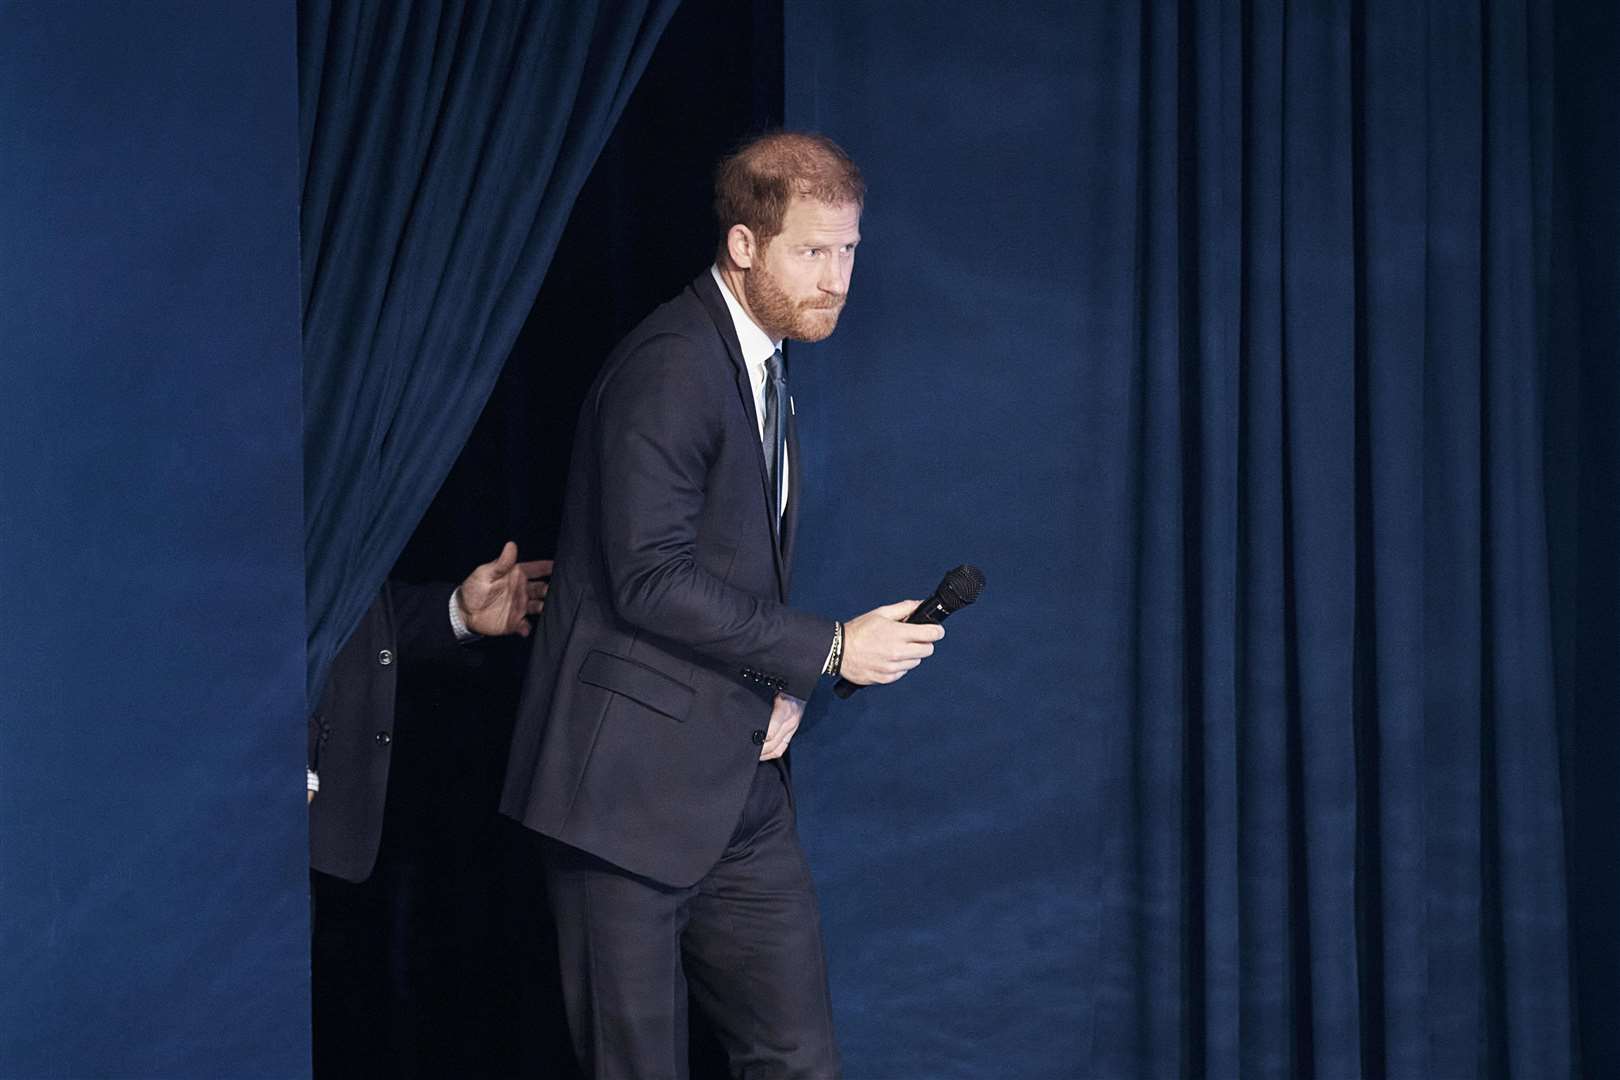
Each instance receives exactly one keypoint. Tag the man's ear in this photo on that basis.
(740, 246)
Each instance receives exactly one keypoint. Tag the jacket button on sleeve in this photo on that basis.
(385, 657)
(384, 738)
(758, 736)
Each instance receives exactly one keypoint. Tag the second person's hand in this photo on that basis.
(498, 597)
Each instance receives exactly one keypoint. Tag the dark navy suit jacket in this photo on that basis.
(666, 630)
(351, 732)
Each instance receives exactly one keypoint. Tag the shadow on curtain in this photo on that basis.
(1321, 297)
(443, 145)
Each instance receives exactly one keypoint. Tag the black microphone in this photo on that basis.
(958, 589)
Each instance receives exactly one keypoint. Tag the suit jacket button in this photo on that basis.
(758, 736)
(384, 738)
(385, 657)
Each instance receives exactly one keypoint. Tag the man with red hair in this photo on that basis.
(669, 673)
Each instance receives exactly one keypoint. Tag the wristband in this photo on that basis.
(835, 658)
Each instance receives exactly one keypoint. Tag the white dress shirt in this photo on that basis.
(757, 348)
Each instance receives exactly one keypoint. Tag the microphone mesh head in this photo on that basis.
(964, 584)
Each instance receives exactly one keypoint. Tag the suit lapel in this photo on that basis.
(708, 291)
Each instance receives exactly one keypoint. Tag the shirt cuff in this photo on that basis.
(458, 621)
(312, 779)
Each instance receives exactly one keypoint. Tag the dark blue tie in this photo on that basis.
(776, 404)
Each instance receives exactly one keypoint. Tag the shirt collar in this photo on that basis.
(757, 346)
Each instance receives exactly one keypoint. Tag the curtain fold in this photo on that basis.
(1321, 237)
(443, 145)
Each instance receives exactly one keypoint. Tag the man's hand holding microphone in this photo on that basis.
(880, 646)
(884, 650)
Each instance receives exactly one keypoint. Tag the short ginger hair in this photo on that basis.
(754, 184)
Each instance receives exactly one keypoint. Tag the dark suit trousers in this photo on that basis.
(746, 941)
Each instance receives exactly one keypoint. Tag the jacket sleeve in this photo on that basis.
(422, 624)
(658, 431)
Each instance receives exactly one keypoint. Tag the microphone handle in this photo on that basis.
(928, 612)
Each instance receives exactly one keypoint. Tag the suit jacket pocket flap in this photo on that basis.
(659, 692)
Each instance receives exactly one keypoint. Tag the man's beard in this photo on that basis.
(779, 315)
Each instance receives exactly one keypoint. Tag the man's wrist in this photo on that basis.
(458, 618)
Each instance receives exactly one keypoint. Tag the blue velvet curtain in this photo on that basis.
(154, 874)
(1318, 291)
(1278, 345)
(443, 145)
